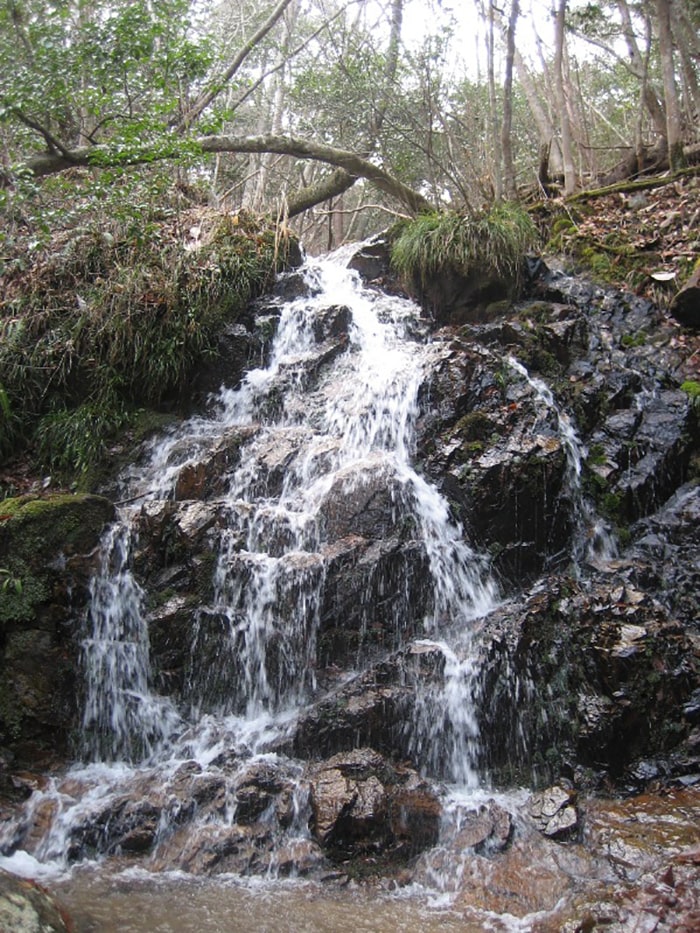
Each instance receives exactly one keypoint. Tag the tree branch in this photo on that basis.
(206, 97)
(354, 165)
(325, 189)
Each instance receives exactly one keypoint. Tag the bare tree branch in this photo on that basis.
(206, 97)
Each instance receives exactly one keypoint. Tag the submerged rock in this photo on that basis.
(26, 907)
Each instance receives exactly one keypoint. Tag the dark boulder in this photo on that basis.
(685, 306)
(48, 551)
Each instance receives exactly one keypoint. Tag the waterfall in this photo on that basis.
(314, 441)
(122, 718)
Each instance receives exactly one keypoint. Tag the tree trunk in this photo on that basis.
(687, 43)
(509, 182)
(638, 64)
(497, 172)
(545, 127)
(564, 125)
(674, 138)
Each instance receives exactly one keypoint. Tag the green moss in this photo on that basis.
(633, 340)
(476, 426)
(596, 455)
(34, 531)
(19, 605)
(691, 388)
(539, 312)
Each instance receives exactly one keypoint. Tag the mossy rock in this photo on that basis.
(48, 547)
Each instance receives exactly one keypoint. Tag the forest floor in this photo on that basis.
(643, 236)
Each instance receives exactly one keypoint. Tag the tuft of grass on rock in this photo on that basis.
(493, 242)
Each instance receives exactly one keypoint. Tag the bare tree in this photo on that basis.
(509, 181)
(674, 137)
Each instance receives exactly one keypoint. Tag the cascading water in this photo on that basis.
(310, 437)
(122, 718)
(593, 540)
(285, 626)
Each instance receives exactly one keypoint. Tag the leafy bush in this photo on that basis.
(494, 242)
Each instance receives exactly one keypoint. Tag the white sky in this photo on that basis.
(422, 17)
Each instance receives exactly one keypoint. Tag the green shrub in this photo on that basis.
(101, 321)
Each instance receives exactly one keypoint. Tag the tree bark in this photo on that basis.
(639, 68)
(509, 183)
(674, 139)
(332, 186)
(545, 127)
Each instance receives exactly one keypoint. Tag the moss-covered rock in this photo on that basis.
(47, 548)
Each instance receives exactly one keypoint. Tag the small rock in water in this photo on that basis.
(554, 811)
(487, 829)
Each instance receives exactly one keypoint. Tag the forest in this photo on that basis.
(282, 107)
(349, 465)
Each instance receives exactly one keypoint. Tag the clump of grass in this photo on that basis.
(493, 243)
(102, 321)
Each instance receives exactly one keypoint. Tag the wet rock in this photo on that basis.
(414, 816)
(685, 305)
(373, 260)
(362, 804)
(333, 323)
(554, 812)
(665, 553)
(26, 907)
(48, 550)
(454, 298)
(613, 671)
(257, 789)
(486, 830)
(371, 709)
(215, 849)
(207, 475)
